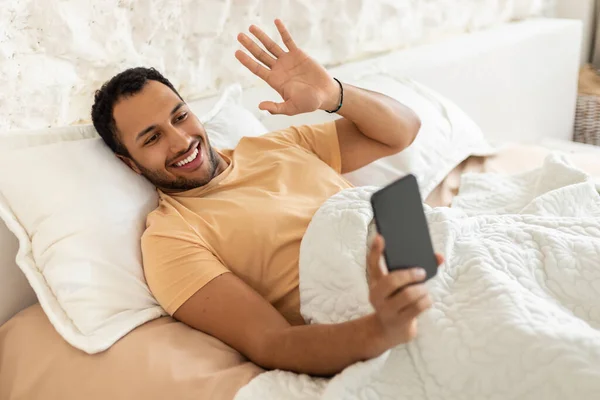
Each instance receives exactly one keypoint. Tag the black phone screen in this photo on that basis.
(400, 219)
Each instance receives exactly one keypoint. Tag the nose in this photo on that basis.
(179, 140)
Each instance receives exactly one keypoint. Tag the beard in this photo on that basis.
(164, 182)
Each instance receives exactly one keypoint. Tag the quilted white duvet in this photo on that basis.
(516, 311)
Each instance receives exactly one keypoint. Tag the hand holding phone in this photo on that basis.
(398, 298)
(398, 294)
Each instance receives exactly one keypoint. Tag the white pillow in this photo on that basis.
(78, 213)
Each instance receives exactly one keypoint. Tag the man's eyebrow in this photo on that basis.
(152, 127)
(145, 132)
(177, 107)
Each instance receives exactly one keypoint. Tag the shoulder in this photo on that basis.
(299, 133)
(165, 222)
(162, 215)
(293, 135)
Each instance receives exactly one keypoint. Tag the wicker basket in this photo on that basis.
(587, 114)
(587, 120)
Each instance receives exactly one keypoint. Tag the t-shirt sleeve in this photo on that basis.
(176, 264)
(319, 139)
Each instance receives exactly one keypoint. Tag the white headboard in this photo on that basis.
(518, 81)
(584, 11)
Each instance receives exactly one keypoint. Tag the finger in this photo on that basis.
(413, 311)
(275, 108)
(252, 65)
(440, 258)
(397, 280)
(406, 298)
(285, 35)
(267, 41)
(375, 269)
(255, 50)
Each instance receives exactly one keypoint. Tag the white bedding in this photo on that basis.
(516, 311)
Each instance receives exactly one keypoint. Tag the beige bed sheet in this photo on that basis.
(163, 359)
(511, 159)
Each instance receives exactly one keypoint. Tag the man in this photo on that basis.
(221, 250)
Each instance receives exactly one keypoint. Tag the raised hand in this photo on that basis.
(303, 83)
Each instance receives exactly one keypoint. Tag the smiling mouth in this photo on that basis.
(188, 160)
(192, 160)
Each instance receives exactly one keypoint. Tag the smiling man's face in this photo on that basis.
(165, 140)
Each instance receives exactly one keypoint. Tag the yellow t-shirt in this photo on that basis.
(249, 220)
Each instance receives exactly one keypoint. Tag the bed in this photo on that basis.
(517, 81)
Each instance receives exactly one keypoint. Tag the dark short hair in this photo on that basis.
(126, 83)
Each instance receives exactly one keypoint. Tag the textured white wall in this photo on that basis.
(55, 53)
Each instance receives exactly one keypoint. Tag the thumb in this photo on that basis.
(375, 268)
(274, 108)
(440, 258)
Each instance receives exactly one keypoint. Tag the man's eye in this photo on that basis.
(181, 117)
(152, 139)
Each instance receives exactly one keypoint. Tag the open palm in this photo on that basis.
(303, 83)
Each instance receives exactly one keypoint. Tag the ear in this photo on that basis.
(129, 162)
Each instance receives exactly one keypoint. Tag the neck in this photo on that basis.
(222, 166)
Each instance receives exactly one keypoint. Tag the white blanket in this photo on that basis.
(516, 311)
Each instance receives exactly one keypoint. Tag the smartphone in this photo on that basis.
(400, 219)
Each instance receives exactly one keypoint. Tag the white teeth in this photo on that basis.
(191, 158)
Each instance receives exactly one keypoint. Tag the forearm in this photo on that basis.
(378, 116)
(322, 349)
